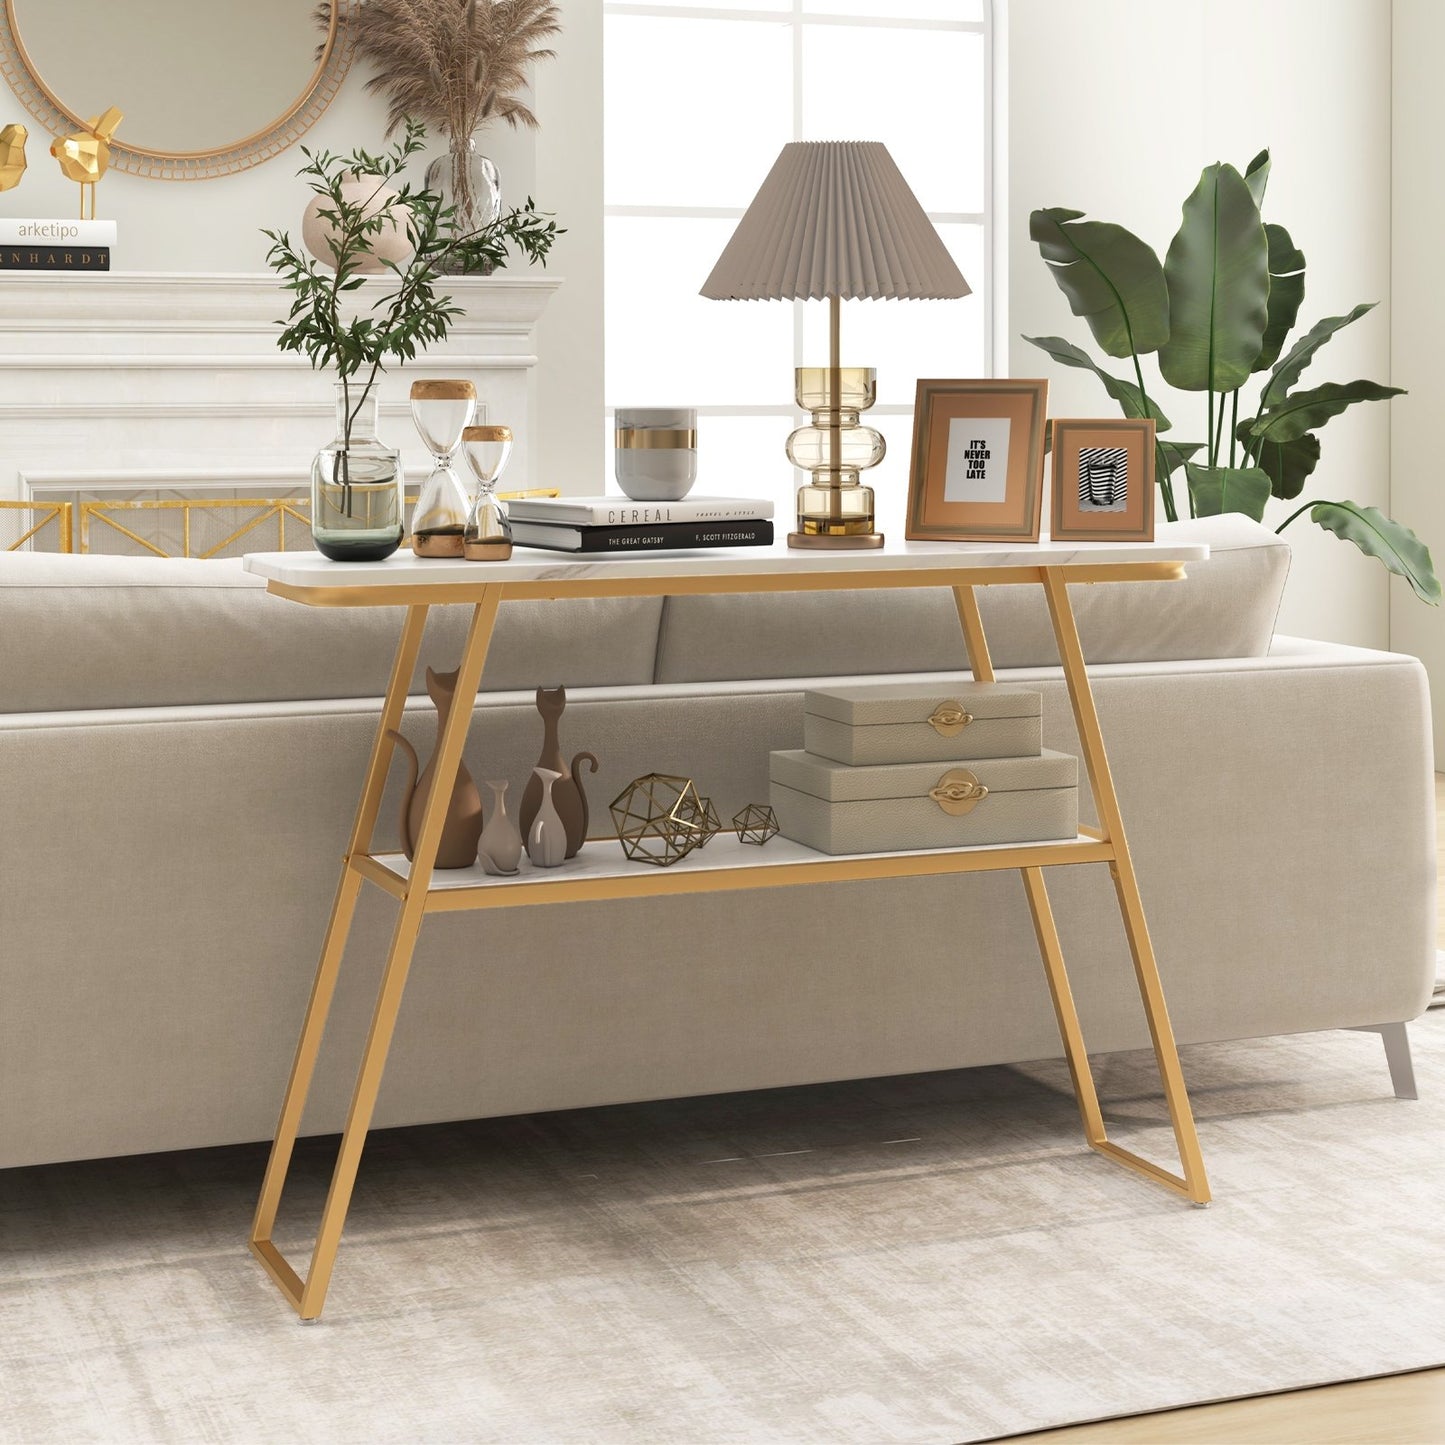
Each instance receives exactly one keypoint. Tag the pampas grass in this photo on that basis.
(454, 65)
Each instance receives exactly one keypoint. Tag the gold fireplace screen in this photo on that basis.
(169, 527)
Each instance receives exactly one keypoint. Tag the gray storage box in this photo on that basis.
(962, 803)
(899, 722)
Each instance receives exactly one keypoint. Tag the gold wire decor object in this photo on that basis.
(703, 817)
(656, 819)
(756, 824)
(334, 58)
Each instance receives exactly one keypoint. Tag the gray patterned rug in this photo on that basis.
(930, 1259)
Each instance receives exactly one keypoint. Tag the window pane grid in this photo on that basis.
(675, 130)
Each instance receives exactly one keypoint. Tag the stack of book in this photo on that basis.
(613, 524)
(56, 245)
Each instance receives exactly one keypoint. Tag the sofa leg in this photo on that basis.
(1397, 1055)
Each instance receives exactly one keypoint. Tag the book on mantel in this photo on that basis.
(27, 245)
(615, 524)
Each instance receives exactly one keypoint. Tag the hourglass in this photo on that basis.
(488, 536)
(442, 411)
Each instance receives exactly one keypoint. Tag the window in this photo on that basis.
(699, 99)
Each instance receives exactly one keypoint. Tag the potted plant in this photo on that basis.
(356, 481)
(455, 65)
(1218, 313)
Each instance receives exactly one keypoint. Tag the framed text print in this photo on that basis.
(1103, 480)
(978, 461)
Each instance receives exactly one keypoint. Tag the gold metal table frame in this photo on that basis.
(1104, 844)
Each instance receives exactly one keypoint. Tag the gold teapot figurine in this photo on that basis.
(85, 156)
(12, 155)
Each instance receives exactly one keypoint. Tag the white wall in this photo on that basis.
(1418, 325)
(1115, 107)
(214, 226)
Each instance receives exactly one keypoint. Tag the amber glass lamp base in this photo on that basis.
(824, 542)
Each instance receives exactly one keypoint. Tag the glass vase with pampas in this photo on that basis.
(455, 65)
(356, 322)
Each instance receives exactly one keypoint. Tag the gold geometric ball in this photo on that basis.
(755, 824)
(651, 815)
(703, 819)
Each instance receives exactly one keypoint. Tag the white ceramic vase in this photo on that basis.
(547, 837)
(500, 849)
(371, 194)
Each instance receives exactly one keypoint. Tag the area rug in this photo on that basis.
(930, 1259)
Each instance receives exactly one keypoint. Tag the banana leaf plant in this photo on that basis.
(1217, 314)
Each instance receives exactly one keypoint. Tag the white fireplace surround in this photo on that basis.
(173, 382)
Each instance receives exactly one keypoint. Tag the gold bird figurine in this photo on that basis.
(12, 155)
(85, 156)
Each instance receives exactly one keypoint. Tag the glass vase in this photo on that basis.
(356, 485)
(467, 181)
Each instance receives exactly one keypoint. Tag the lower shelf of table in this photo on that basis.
(601, 870)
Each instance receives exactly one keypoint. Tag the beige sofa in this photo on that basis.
(180, 755)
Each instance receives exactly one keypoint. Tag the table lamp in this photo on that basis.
(835, 220)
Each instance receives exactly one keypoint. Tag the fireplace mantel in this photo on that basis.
(106, 380)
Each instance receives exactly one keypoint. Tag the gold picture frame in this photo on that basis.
(977, 471)
(1103, 480)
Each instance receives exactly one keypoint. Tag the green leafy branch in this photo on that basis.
(324, 323)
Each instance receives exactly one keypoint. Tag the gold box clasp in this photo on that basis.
(958, 792)
(949, 719)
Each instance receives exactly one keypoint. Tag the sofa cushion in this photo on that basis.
(105, 632)
(1225, 607)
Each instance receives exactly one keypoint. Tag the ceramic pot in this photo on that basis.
(500, 849)
(389, 244)
(656, 452)
(463, 826)
(547, 838)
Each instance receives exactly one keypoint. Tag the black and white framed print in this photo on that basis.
(1103, 480)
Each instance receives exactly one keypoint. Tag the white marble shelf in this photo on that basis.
(404, 569)
(602, 870)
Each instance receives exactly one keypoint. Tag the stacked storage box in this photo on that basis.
(887, 767)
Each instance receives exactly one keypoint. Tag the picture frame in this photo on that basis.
(1103, 480)
(977, 471)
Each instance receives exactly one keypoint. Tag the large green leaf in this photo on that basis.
(1303, 351)
(1286, 292)
(1228, 489)
(1256, 176)
(1303, 411)
(1112, 279)
(1173, 455)
(1217, 271)
(1130, 398)
(1288, 464)
(1377, 535)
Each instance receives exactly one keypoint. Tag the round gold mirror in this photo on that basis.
(205, 90)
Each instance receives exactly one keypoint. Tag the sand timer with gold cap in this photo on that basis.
(442, 411)
(488, 536)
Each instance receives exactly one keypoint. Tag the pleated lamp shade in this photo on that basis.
(835, 218)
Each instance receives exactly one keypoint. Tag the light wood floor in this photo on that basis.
(1396, 1410)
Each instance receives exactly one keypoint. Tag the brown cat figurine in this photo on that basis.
(567, 793)
(463, 825)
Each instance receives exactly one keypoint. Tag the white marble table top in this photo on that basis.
(403, 569)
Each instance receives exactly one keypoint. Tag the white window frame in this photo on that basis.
(990, 219)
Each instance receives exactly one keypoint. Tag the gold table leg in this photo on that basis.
(309, 1295)
(1194, 1184)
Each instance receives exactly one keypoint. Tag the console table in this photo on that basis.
(601, 872)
